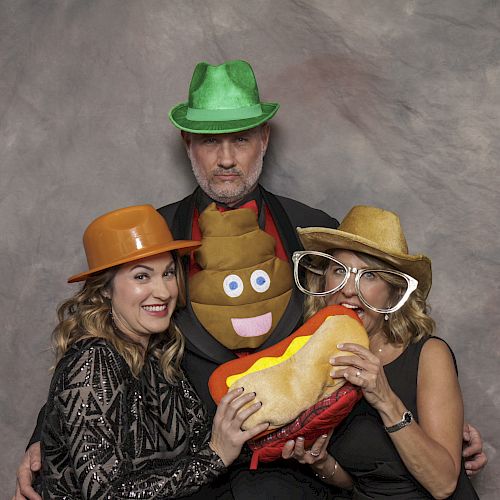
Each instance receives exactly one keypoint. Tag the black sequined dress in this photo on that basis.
(108, 434)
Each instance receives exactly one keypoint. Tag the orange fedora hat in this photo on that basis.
(125, 235)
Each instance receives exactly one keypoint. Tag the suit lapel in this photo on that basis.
(199, 340)
(183, 219)
(293, 313)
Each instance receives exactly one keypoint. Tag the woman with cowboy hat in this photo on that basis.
(404, 438)
(121, 418)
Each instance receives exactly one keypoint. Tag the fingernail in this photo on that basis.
(339, 346)
(332, 361)
(324, 436)
(300, 438)
(254, 394)
(240, 389)
(290, 442)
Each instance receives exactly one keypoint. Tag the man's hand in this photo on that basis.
(30, 464)
(475, 458)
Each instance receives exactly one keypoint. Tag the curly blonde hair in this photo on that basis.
(407, 325)
(87, 314)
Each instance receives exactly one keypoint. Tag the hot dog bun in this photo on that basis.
(292, 386)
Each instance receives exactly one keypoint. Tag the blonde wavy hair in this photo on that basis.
(87, 314)
(405, 326)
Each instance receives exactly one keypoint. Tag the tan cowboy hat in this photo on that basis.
(125, 235)
(376, 232)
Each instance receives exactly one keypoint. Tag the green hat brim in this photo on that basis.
(177, 116)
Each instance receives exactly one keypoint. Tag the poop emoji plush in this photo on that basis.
(242, 289)
(292, 380)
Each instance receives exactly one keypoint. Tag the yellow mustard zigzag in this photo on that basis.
(269, 361)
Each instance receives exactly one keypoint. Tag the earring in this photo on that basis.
(386, 317)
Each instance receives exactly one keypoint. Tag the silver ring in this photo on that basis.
(314, 453)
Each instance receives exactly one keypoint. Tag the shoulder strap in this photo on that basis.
(448, 346)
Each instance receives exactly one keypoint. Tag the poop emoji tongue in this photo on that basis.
(243, 289)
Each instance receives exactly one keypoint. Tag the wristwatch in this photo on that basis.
(406, 419)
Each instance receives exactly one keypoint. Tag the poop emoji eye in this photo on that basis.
(233, 286)
(260, 281)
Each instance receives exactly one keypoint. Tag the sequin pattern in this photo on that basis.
(109, 435)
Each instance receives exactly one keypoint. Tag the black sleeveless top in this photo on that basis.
(365, 450)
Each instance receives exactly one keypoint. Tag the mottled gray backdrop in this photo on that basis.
(393, 103)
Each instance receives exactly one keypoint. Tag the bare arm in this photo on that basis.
(431, 448)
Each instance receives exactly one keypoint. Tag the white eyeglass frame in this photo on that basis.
(412, 282)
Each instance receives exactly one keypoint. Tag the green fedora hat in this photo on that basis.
(222, 99)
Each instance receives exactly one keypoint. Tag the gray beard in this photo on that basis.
(229, 194)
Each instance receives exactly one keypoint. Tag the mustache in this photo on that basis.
(227, 171)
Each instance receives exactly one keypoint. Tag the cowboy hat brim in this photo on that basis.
(178, 117)
(323, 239)
(182, 246)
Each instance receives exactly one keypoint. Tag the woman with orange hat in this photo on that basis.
(122, 420)
(404, 438)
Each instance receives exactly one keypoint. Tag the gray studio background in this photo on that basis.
(392, 103)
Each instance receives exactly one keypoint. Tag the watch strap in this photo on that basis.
(406, 420)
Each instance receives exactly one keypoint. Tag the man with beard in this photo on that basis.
(225, 130)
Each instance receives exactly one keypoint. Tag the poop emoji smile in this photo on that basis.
(253, 327)
(243, 288)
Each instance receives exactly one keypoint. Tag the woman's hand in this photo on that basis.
(29, 466)
(475, 457)
(321, 462)
(365, 370)
(227, 436)
(316, 455)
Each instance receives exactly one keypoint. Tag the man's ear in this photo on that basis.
(265, 132)
(186, 139)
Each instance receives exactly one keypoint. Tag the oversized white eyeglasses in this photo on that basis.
(323, 264)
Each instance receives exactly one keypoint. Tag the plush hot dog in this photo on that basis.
(293, 376)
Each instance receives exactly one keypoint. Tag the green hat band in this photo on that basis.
(220, 115)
